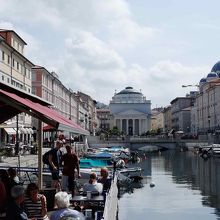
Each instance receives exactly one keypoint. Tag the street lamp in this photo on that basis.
(184, 86)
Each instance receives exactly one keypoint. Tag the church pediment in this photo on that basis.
(130, 112)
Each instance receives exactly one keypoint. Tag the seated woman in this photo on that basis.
(64, 212)
(35, 203)
(93, 185)
(105, 179)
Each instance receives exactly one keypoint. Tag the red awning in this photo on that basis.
(48, 128)
(11, 104)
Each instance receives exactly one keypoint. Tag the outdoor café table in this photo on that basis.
(99, 198)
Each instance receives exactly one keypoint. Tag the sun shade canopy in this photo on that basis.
(15, 102)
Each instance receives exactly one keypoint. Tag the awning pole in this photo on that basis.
(40, 144)
(17, 149)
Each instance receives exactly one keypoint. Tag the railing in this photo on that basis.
(111, 202)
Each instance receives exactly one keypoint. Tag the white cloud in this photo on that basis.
(87, 43)
(167, 77)
(6, 25)
(92, 53)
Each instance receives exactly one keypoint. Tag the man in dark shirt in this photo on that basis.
(70, 166)
(54, 163)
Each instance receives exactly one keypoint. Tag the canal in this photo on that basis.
(186, 187)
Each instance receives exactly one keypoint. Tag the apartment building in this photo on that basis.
(47, 85)
(208, 107)
(90, 106)
(103, 115)
(157, 119)
(167, 119)
(181, 113)
(15, 71)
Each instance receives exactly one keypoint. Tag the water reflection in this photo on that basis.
(186, 187)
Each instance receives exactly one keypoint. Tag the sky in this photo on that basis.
(99, 47)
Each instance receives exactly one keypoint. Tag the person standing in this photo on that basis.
(70, 166)
(54, 163)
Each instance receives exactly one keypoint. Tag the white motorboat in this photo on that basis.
(131, 172)
(210, 150)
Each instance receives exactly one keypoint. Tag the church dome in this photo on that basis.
(128, 95)
(211, 76)
(216, 67)
(129, 90)
(203, 80)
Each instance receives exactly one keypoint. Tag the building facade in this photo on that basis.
(181, 113)
(157, 120)
(15, 71)
(207, 104)
(103, 116)
(130, 111)
(167, 119)
(48, 86)
(91, 117)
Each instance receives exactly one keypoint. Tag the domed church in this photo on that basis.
(213, 75)
(130, 111)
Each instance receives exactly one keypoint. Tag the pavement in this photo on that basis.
(25, 160)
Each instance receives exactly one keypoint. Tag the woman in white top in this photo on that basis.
(93, 185)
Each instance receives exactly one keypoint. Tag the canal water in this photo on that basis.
(186, 187)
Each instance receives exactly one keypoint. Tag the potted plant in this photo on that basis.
(2, 154)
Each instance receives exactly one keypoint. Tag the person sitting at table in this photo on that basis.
(13, 177)
(105, 179)
(3, 197)
(93, 185)
(35, 203)
(64, 212)
(15, 208)
(5, 179)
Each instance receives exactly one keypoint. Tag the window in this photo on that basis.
(34, 77)
(8, 59)
(17, 65)
(3, 78)
(29, 74)
(13, 62)
(3, 55)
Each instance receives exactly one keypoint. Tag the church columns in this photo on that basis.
(140, 127)
(133, 122)
(132, 126)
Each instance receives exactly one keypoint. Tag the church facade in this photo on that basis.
(130, 112)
